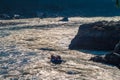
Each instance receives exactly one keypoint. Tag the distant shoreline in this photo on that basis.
(53, 8)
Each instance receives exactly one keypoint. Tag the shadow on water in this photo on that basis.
(10, 23)
(47, 49)
(4, 33)
(46, 27)
(94, 52)
(4, 27)
(13, 56)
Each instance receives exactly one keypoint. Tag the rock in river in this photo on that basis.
(102, 35)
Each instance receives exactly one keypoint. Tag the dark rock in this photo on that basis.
(101, 35)
(117, 48)
(111, 58)
(4, 16)
(56, 59)
(98, 59)
(64, 19)
(72, 72)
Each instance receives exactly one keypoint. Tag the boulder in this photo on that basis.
(117, 48)
(56, 59)
(64, 19)
(102, 35)
(110, 58)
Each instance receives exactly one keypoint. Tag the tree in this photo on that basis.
(117, 3)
